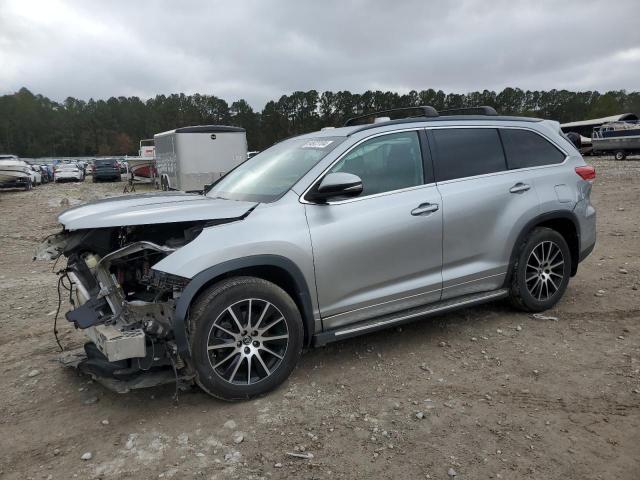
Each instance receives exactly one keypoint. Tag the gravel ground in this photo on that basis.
(486, 392)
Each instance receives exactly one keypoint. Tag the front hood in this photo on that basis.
(151, 208)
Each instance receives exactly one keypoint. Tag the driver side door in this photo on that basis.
(380, 252)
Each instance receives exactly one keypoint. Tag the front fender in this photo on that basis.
(274, 234)
(206, 276)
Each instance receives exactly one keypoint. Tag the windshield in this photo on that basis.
(270, 174)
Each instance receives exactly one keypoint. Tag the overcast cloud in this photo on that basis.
(260, 50)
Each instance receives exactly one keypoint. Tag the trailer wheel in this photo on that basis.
(620, 155)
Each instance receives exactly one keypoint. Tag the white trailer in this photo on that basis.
(190, 158)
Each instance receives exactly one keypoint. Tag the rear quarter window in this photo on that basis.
(466, 152)
(528, 149)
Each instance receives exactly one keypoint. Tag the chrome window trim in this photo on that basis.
(445, 182)
(503, 172)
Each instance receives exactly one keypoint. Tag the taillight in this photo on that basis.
(587, 172)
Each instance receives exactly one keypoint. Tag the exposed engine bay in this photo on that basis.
(123, 306)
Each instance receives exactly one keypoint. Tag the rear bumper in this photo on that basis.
(60, 177)
(585, 214)
(18, 182)
(106, 175)
(586, 252)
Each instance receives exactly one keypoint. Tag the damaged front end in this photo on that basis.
(124, 306)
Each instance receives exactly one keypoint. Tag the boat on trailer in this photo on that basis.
(143, 167)
(620, 138)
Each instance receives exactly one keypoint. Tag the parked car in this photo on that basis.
(15, 173)
(106, 169)
(323, 237)
(68, 172)
(36, 175)
(47, 173)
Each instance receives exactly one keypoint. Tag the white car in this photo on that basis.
(68, 172)
(36, 175)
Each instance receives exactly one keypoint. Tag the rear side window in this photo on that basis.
(528, 149)
(465, 152)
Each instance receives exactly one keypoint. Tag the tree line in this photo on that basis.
(34, 126)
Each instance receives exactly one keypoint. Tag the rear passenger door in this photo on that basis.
(484, 207)
(542, 162)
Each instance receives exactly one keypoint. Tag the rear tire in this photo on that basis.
(246, 337)
(541, 273)
(620, 155)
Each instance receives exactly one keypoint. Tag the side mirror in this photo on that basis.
(338, 184)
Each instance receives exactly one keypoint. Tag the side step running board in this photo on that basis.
(397, 318)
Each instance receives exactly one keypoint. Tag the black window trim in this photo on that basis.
(431, 141)
(426, 162)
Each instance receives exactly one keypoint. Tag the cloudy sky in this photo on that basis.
(259, 49)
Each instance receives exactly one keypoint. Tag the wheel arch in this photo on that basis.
(562, 221)
(274, 268)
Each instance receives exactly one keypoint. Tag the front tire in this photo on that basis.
(542, 270)
(246, 338)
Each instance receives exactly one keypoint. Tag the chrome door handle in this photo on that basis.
(425, 208)
(520, 187)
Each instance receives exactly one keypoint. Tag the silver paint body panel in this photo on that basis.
(151, 208)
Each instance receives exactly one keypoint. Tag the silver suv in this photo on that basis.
(322, 237)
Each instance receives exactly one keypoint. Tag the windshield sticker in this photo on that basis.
(317, 144)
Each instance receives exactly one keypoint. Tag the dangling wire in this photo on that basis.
(153, 354)
(55, 319)
(175, 372)
(62, 274)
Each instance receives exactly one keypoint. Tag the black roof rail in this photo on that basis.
(424, 110)
(482, 110)
(446, 118)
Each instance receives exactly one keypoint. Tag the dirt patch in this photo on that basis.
(507, 396)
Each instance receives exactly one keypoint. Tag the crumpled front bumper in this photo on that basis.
(124, 375)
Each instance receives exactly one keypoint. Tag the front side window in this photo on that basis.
(271, 173)
(528, 149)
(466, 152)
(385, 163)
